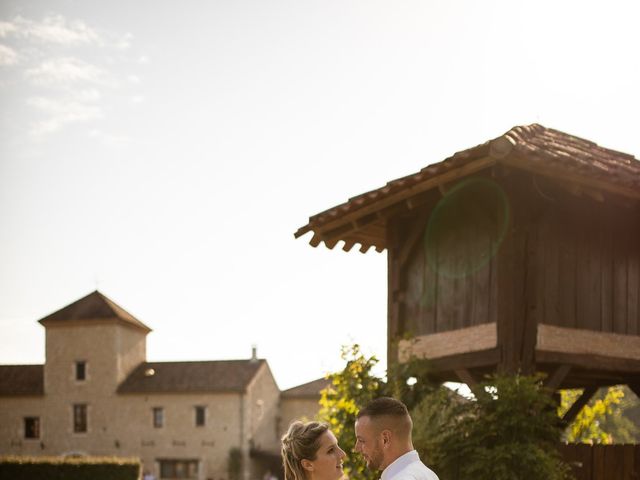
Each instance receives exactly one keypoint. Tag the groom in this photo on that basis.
(383, 438)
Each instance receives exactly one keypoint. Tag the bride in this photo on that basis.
(310, 451)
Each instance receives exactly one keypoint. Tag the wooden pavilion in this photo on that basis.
(519, 254)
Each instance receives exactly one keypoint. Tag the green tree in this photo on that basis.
(603, 419)
(350, 389)
(509, 432)
(410, 381)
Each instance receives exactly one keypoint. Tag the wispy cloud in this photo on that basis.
(8, 56)
(64, 71)
(51, 29)
(70, 69)
(124, 41)
(7, 28)
(108, 139)
(61, 112)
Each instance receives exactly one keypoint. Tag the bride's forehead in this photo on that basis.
(328, 438)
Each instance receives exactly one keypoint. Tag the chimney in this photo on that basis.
(254, 353)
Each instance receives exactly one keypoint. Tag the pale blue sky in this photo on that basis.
(167, 151)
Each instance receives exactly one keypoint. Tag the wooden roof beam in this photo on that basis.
(418, 200)
(348, 245)
(337, 232)
(558, 174)
(364, 247)
(342, 231)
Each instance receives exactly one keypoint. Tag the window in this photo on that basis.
(31, 427)
(201, 416)
(81, 371)
(158, 417)
(80, 418)
(170, 469)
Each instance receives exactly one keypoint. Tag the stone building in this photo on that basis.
(301, 402)
(96, 394)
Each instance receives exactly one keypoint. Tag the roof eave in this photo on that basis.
(363, 218)
(356, 226)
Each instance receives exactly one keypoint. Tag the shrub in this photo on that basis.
(61, 468)
(509, 432)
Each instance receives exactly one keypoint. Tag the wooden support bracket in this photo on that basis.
(556, 379)
(635, 388)
(582, 400)
(465, 377)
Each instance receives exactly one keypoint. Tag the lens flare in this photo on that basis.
(466, 228)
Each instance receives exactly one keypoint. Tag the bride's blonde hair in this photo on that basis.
(301, 441)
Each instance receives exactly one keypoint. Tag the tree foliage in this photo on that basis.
(350, 389)
(510, 431)
(603, 420)
(410, 382)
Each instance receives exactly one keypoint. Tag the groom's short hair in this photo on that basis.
(390, 414)
(384, 406)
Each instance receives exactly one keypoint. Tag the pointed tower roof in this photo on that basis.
(93, 307)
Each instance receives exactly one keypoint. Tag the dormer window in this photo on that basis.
(81, 371)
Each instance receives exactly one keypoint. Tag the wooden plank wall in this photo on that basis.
(582, 260)
(439, 295)
(603, 462)
(590, 271)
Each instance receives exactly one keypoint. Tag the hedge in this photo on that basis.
(66, 468)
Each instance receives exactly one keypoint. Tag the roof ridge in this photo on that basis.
(208, 361)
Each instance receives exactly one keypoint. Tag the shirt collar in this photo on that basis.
(399, 464)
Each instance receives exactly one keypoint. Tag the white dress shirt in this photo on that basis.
(408, 467)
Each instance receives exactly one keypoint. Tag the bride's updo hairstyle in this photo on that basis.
(301, 442)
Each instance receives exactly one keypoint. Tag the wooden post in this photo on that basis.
(393, 304)
(516, 269)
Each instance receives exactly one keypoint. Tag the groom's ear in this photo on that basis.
(386, 438)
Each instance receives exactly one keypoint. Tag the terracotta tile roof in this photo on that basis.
(94, 306)
(307, 390)
(183, 377)
(535, 148)
(554, 149)
(21, 380)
